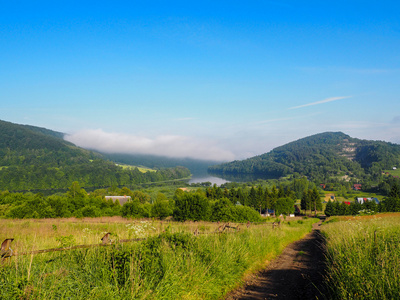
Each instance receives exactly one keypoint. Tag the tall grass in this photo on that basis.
(37, 234)
(173, 265)
(364, 258)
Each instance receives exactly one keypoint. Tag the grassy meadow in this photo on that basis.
(393, 172)
(363, 257)
(140, 168)
(171, 263)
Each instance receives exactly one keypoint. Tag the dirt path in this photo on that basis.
(295, 274)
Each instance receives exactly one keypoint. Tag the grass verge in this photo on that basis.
(363, 257)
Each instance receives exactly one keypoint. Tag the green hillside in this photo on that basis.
(196, 166)
(319, 157)
(38, 158)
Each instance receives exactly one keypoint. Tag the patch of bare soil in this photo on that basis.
(296, 274)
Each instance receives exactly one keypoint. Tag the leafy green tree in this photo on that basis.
(344, 209)
(395, 191)
(252, 198)
(191, 206)
(305, 203)
(371, 205)
(267, 199)
(355, 207)
(245, 213)
(131, 208)
(222, 210)
(392, 203)
(284, 206)
(274, 197)
(91, 211)
(316, 203)
(141, 196)
(330, 209)
(241, 196)
(161, 207)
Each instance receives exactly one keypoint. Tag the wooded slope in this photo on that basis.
(38, 158)
(320, 156)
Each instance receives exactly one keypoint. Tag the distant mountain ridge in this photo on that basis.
(38, 158)
(320, 156)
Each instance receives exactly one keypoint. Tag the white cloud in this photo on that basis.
(320, 102)
(165, 145)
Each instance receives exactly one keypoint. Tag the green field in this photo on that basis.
(173, 264)
(393, 172)
(141, 169)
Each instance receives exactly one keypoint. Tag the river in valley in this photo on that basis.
(218, 179)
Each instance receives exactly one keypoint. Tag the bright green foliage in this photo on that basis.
(305, 203)
(191, 206)
(284, 206)
(162, 207)
(330, 209)
(315, 198)
(224, 210)
(76, 202)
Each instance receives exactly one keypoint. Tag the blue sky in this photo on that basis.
(216, 80)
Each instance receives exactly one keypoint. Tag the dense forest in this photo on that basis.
(38, 158)
(321, 157)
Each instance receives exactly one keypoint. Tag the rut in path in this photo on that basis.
(296, 274)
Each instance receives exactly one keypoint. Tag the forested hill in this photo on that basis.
(19, 137)
(38, 158)
(321, 156)
(196, 166)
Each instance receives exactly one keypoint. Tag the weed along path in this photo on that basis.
(296, 274)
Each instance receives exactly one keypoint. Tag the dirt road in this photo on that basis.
(296, 274)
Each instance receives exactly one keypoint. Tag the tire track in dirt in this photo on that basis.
(295, 274)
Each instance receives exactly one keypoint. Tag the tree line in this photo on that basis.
(211, 204)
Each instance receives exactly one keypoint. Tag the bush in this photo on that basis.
(191, 206)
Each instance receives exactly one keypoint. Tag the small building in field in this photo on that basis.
(357, 186)
(364, 200)
(121, 199)
(361, 200)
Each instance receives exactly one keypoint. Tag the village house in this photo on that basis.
(364, 200)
